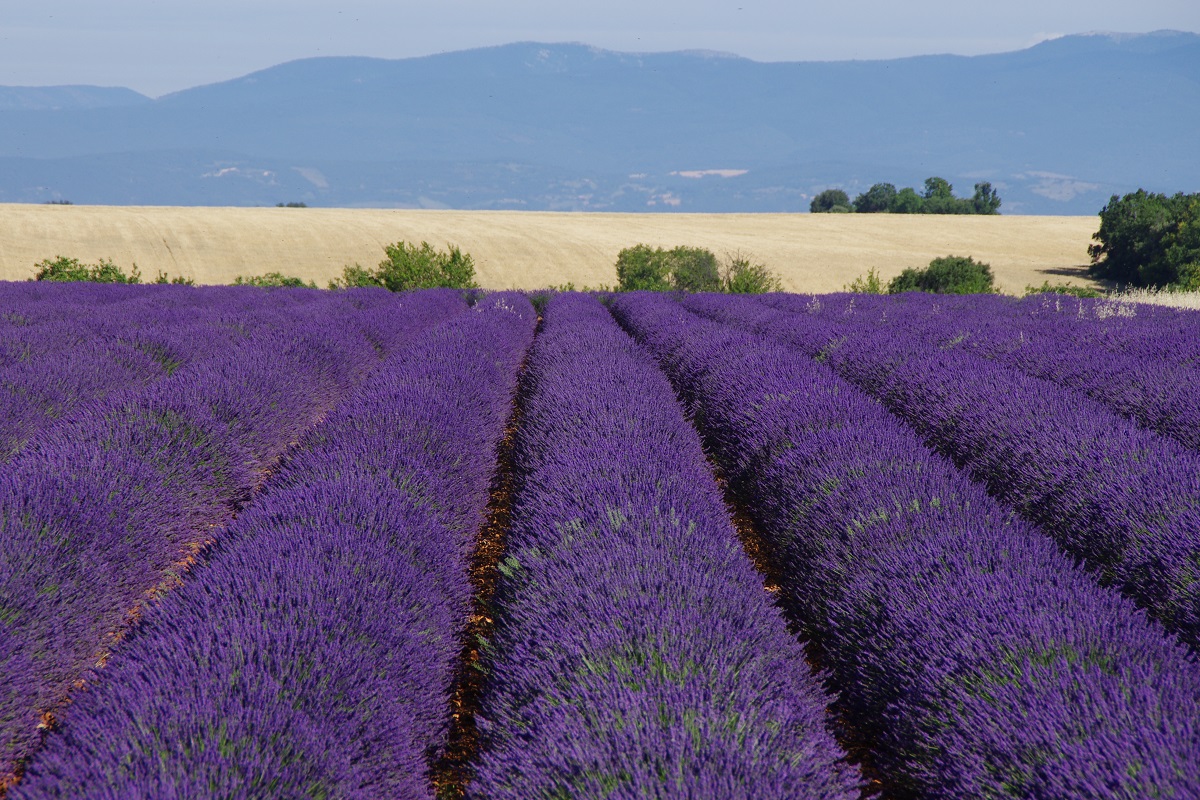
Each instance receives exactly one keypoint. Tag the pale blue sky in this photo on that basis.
(157, 47)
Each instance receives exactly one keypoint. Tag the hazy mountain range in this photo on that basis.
(1057, 128)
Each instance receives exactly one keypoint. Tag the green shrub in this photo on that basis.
(690, 269)
(946, 275)
(63, 269)
(907, 281)
(1062, 288)
(741, 276)
(407, 266)
(1189, 277)
(410, 267)
(682, 268)
(355, 275)
(693, 269)
(643, 268)
(274, 280)
(178, 280)
(866, 284)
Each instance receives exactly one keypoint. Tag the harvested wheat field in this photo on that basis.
(526, 250)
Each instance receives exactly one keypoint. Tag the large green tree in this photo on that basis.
(1146, 239)
(1182, 248)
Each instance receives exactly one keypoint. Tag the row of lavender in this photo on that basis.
(1136, 364)
(1124, 500)
(1135, 329)
(366, 532)
(636, 653)
(312, 653)
(63, 347)
(101, 511)
(970, 657)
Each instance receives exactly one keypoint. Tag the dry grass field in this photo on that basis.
(526, 250)
(1188, 300)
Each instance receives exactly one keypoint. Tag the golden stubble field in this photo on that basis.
(528, 250)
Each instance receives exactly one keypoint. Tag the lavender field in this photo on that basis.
(304, 544)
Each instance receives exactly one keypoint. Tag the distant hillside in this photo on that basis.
(1057, 127)
(54, 98)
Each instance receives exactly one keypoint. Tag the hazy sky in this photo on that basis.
(159, 46)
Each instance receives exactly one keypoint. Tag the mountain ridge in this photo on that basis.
(571, 126)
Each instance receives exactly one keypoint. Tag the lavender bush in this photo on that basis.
(102, 512)
(971, 657)
(637, 653)
(1122, 499)
(312, 652)
(1157, 393)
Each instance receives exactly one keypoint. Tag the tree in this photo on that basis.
(986, 199)
(876, 200)
(830, 200)
(939, 197)
(1132, 240)
(1181, 249)
(936, 187)
(946, 275)
(907, 201)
